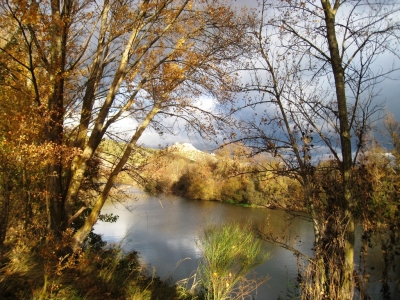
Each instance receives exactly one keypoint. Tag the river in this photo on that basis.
(164, 231)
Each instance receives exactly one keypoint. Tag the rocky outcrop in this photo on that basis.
(190, 152)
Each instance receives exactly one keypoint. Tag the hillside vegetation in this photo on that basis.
(227, 175)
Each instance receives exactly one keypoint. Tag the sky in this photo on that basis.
(389, 98)
(150, 138)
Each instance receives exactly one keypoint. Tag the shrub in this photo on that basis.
(230, 252)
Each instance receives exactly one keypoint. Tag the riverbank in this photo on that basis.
(127, 189)
(96, 273)
(224, 178)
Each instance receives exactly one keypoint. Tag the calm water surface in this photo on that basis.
(165, 230)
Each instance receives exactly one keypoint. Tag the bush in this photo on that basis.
(30, 271)
(230, 252)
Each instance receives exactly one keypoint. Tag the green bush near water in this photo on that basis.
(230, 252)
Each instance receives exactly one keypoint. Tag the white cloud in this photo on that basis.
(206, 103)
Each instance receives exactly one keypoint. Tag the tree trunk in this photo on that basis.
(5, 199)
(347, 280)
(319, 271)
(55, 107)
(80, 236)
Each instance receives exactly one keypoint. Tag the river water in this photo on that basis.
(164, 231)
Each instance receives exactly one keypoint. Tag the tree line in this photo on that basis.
(229, 175)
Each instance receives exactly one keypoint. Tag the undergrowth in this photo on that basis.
(46, 270)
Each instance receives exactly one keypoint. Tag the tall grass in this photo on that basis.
(230, 252)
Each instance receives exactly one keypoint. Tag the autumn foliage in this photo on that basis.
(70, 70)
(229, 175)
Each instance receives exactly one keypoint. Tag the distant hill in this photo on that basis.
(189, 151)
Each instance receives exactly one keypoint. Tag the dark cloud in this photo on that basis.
(388, 97)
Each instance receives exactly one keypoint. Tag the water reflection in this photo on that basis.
(164, 231)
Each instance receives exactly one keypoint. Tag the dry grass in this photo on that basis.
(41, 273)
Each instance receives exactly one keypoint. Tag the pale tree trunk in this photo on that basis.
(96, 73)
(78, 166)
(80, 236)
(347, 280)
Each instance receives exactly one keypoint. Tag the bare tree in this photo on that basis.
(315, 66)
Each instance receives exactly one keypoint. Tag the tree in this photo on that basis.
(313, 64)
(99, 62)
(21, 159)
(392, 133)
